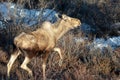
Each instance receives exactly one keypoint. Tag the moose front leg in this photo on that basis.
(58, 50)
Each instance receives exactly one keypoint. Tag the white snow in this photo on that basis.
(27, 17)
(99, 43)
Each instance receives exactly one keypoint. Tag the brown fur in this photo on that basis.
(42, 40)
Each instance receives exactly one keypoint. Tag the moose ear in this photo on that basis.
(63, 16)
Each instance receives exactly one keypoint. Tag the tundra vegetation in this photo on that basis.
(79, 63)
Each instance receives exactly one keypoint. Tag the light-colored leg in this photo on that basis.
(29, 55)
(45, 57)
(58, 50)
(44, 67)
(11, 61)
(24, 65)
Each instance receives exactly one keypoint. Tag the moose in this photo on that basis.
(41, 41)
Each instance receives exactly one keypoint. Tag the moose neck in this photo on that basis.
(61, 29)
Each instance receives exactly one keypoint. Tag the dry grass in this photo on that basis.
(79, 63)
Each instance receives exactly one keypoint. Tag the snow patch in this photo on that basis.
(10, 11)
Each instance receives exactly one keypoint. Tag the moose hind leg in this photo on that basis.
(44, 67)
(11, 61)
(45, 58)
(24, 65)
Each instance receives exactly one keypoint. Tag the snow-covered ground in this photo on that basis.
(10, 11)
(113, 42)
(100, 43)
